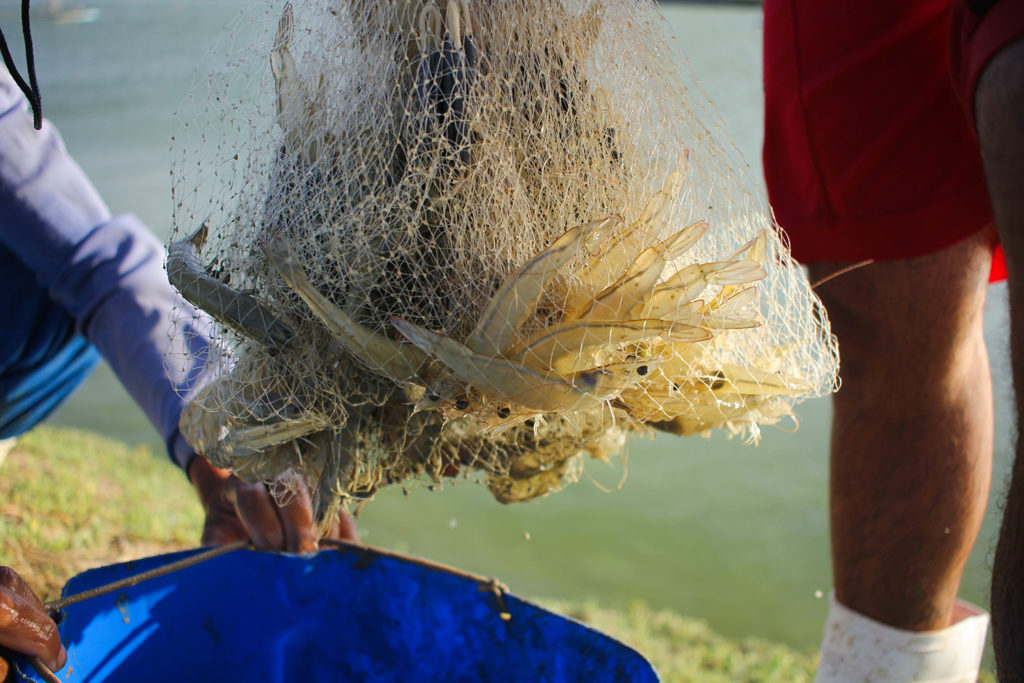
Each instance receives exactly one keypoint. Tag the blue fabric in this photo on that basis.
(42, 356)
(352, 615)
(73, 277)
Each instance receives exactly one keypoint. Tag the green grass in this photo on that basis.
(684, 649)
(74, 500)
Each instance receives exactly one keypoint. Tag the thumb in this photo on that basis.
(221, 530)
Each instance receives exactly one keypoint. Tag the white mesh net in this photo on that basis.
(486, 237)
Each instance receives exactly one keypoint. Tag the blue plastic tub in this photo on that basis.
(352, 614)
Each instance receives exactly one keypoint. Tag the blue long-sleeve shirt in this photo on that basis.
(68, 271)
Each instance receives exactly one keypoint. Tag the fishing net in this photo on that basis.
(475, 237)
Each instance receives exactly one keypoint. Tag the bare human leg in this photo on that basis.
(912, 431)
(999, 111)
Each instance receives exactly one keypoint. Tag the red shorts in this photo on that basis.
(869, 152)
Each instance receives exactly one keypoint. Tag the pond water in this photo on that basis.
(733, 534)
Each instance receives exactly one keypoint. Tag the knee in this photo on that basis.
(903, 351)
(873, 348)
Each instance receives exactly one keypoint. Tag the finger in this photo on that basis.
(12, 580)
(334, 532)
(258, 513)
(24, 627)
(343, 528)
(297, 520)
(221, 529)
(222, 524)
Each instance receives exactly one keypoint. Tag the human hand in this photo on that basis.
(25, 626)
(237, 510)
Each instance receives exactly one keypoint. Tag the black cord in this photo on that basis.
(30, 63)
(31, 89)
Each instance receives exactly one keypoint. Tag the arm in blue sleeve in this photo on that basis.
(106, 272)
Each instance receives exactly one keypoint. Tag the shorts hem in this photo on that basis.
(886, 238)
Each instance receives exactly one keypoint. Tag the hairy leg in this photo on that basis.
(912, 431)
(999, 109)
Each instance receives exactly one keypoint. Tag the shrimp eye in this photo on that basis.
(461, 404)
(503, 412)
(642, 370)
(431, 396)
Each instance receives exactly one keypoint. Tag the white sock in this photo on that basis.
(859, 649)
